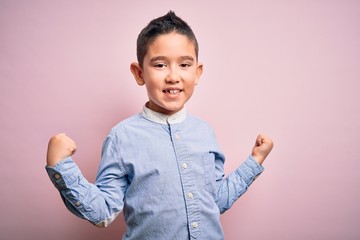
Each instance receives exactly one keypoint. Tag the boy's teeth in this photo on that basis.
(172, 91)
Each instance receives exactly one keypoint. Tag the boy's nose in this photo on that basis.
(172, 77)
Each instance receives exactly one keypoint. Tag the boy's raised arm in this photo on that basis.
(237, 182)
(60, 147)
(98, 203)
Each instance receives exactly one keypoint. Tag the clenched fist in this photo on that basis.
(60, 147)
(262, 148)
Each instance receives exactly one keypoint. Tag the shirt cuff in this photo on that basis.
(64, 173)
(250, 170)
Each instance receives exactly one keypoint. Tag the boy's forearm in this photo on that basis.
(237, 183)
(82, 198)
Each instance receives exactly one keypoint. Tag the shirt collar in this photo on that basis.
(163, 118)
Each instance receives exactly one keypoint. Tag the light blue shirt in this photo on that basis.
(165, 173)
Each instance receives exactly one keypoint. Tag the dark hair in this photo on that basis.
(163, 25)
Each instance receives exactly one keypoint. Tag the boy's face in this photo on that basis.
(170, 72)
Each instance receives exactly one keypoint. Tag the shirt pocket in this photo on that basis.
(209, 172)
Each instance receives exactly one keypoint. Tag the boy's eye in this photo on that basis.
(185, 65)
(160, 65)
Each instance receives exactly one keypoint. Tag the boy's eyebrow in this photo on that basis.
(187, 58)
(157, 58)
(163, 58)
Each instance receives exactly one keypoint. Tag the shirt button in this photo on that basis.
(184, 165)
(190, 195)
(57, 176)
(194, 224)
(77, 204)
(177, 137)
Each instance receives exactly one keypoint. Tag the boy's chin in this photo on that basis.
(171, 111)
(167, 109)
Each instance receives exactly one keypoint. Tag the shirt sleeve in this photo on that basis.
(99, 203)
(229, 189)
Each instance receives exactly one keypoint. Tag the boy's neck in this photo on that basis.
(158, 117)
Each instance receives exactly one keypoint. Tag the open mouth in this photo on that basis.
(172, 91)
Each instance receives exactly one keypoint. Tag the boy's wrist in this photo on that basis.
(258, 159)
(51, 162)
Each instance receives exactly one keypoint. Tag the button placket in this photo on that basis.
(187, 181)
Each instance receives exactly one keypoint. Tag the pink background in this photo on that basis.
(289, 69)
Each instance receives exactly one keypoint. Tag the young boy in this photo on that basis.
(163, 167)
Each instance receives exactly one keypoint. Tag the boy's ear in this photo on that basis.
(137, 72)
(199, 71)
